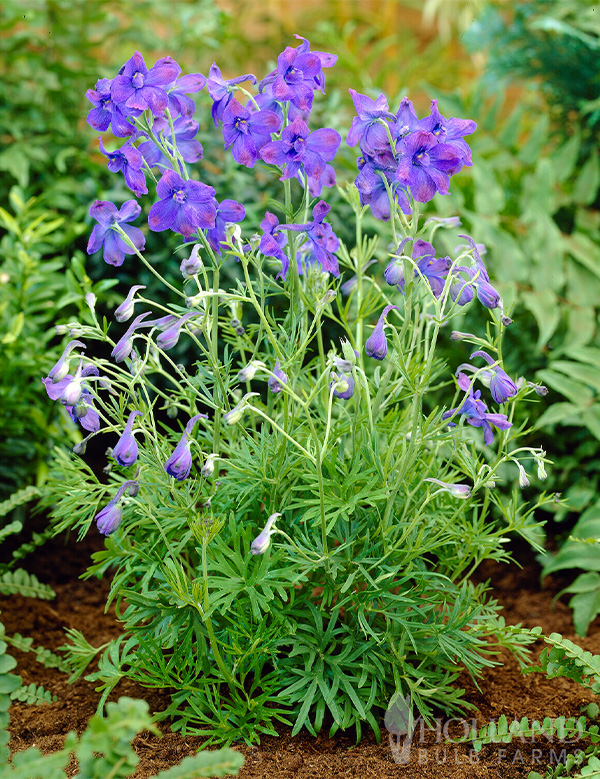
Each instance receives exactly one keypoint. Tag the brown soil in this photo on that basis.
(503, 690)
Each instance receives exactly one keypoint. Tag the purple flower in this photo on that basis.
(433, 269)
(88, 416)
(109, 518)
(126, 450)
(192, 265)
(184, 206)
(299, 72)
(227, 211)
(61, 368)
(457, 490)
(376, 344)
(298, 147)
(221, 90)
(105, 113)
(476, 413)
(106, 236)
(179, 463)
(501, 385)
(179, 102)
(141, 89)
(478, 277)
(246, 133)
(316, 183)
(322, 240)
(367, 128)
(450, 132)
(342, 379)
(124, 345)
(426, 165)
(169, 337)
(277, 381)
(129, 161)
(406, 119)
(272, 242)
(371, 183)
(263, 539)
(125, 310)
(185, 140)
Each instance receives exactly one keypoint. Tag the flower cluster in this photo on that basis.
(402, 155)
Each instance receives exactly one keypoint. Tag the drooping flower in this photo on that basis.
(109, 518)
(124, 345)
(179, 463)
(126, 450)
(477, 275)
(248, 372)
(342, 379)
(125, 310)
(246, 133)
(277, 381)
(208, 468)
(376, 344)
(184, 206)
(127, 160)
(299, 147)
(501, 385)
(141, 89)
(476, 413)
(188, 147)
(61, 367)
(425, 166)
(263, 539)
(169, 337)
(234, 415)
(457, 490)
(221, 90)
(105, 235)
(367, 128)
(87, 415)
(433, 269)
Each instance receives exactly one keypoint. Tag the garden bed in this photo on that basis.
(503, 690)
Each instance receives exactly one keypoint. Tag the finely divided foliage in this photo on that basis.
(291, 514)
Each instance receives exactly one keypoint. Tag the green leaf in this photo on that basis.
(221, 762)
(576, 392)
(587, 182)
(586, 607)
(565, 157)
(544, 307)
(578, 554)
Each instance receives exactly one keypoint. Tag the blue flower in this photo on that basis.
(221, 90)
(188, 147)
(128, 160)
(299, 148)
(501, 385)
(105, 236)
(141, 89)
(367, 128)
(246, 133)
(184, 206)
(126, 450)
(322, 240)
(179, 463)
(263, 540)
(277, 381)
(109, 518)
(125, 310)
(376, 344)
(476, 413)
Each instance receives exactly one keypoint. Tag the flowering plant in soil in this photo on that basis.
(298, 490)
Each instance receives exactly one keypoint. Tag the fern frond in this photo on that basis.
(37, 539)
(18, 498)
(42, 655)
(22, 583)
(33, 693)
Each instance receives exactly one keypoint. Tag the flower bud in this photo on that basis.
(457, 490)
(169, 337)
(126, 450)
(248, 372)
(277, 381)
(523, 480)
(240, 330)
(209, 466)
(193, 265)
(376, 344)
(61, 368)
(237, 412)
(90, 299)
(263, 539)
(179, 463)
(124, 312)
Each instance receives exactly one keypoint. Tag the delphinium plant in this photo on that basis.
(297, 488)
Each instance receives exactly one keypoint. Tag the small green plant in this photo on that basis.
(561, 658)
